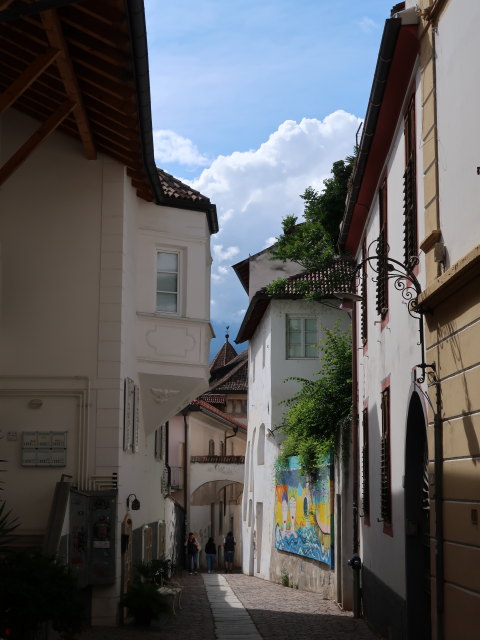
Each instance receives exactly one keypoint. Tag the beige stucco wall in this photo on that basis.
(452, 295)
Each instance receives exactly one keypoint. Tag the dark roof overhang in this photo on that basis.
(396, 60)
(255, 312)
(81, 66)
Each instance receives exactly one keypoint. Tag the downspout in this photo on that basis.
(235, 431)
(438, 426)
(355, 561)
(185, 469)
(167, 456)
(438, 499)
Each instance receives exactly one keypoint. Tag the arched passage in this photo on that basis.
(417, 522)
(211, 491)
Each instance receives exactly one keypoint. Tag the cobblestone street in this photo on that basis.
(277, 612)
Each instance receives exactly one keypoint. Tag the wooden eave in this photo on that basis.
(72, 68)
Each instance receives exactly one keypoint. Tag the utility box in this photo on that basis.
(93, 518)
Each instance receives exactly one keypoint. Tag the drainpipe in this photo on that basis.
(185, 469)
(355, 561)
(235, 431)
(438, 499)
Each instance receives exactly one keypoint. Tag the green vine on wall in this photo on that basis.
(317, 419)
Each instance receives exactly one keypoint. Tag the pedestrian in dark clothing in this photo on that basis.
(192, 546)
(229, 543)
(211, 553)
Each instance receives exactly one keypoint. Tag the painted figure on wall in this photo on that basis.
(303, 513)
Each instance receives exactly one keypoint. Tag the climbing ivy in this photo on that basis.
(318, 415)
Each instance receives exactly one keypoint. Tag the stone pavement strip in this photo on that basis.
(232, 622)
(240, 607)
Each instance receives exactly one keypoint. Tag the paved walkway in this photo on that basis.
(239, 607)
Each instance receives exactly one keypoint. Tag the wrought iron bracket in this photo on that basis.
(405, 281)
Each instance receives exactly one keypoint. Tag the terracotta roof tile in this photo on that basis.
(233, 377)
(226, 354)
(323, 283)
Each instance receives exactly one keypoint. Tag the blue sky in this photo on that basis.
(252, 101)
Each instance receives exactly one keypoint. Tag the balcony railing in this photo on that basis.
(218, 459)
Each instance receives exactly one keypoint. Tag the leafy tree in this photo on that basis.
(316, 414)
(312, 243)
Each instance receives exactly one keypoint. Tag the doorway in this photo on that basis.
(417, 523)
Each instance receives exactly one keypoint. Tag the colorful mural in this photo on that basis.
(304, 514)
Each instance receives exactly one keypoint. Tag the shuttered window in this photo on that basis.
(365, 467)
(385, 467)
(410, 188)
(382, 277)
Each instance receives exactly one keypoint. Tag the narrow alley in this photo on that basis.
(241, 607)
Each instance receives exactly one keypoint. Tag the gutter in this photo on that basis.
(138, 36)
(385, 57)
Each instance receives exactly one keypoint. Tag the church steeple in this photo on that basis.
(225, 355)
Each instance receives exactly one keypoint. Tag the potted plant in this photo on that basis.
(144, 602)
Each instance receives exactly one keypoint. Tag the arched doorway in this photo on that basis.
(417, 522)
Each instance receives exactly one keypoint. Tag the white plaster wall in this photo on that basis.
(457, 50)
(392, 351)
(71, 262)
(263, 271)
(268, 370)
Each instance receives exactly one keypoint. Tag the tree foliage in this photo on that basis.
(315, 415)
(312, 244)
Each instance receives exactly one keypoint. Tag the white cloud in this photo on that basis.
(223, 255)
(368, 25)
(270, 241)
(171, 147)
(254, 190)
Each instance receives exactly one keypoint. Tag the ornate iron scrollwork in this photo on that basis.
(404, 280)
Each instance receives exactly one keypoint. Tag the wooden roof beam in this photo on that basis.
(56, 39)
(4, 4)
(27, 78)
(35, 139)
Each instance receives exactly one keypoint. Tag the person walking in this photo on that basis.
(229, 543)
(211, 553)
(192, 545)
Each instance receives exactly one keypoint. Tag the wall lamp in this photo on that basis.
(270, 432)
(135, 502)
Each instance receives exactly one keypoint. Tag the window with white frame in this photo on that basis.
(302, 339)
(167, 281)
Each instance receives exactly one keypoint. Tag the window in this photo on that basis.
(382, 279)
(167, 282)
(385, 472)
(222, 448)
(211, 447)
(302, 338)
(365, 467)
(410, 188)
